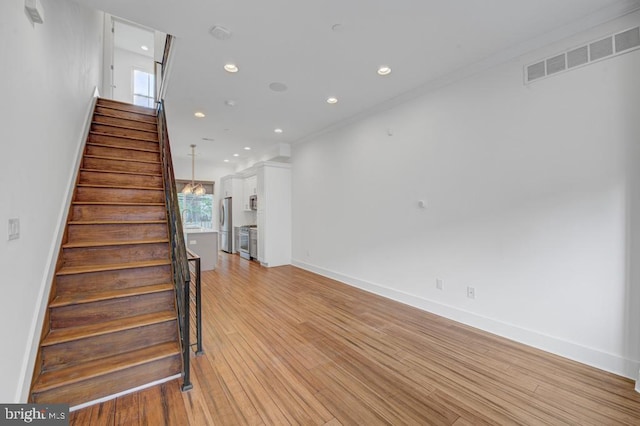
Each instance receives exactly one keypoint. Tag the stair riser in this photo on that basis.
(118, 131)
(126, 154)
(107, 310)
(125, 114)
(66, 354)
(123, 142)
(117, 195)
(110, 384)
(72, 257)
(116, 233)
(123, 122)
(108, 212)
(119, 179)
(126, 107)
(113, 280)
(121, 166)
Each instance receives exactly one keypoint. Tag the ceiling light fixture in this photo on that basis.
(384, 70)
(232, 68)
(236, 155)
(193, 188)
(145, 48)
(199, 114)
(332, 100)
(247, 148)
(226, 160)
(278, 130)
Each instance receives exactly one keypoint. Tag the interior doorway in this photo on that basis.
(131, 55)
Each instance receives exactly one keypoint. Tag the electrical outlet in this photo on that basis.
(14, 229)
(471, 292)
(439, 284)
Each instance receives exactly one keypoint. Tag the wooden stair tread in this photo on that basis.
(63, 335)
(120, 172)
(118, 126)
(135, 138)
(130, 160)
(117, 222)
(124, 106)
(100, 367)
(106, 114)
(114, 110)
(96, 185)
(103, 243)
(116, 203)
(130, 148)
(97, 296)
(73, 270)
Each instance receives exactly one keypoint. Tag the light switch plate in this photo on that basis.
(14, 229)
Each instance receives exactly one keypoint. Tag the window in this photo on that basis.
(143, 88)
(196, 210)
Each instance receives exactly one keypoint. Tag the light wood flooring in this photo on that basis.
(285, 346)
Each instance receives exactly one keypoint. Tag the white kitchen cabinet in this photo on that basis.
(274, 213)
(250, 187)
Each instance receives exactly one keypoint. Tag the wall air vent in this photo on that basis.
(608, 47)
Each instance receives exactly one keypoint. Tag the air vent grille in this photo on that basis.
(579, 56)
(615, 44)
(628, 40)
(600, 49)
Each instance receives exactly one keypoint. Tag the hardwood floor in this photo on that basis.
(285, 346)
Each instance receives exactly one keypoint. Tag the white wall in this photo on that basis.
(124, 64)
(47, 76)
(532, 199)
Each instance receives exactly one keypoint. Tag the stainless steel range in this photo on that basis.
(245, 241)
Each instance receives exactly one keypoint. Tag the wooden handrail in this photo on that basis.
(181, 274)
(162, 69)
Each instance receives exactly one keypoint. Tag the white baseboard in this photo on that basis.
(593, 357)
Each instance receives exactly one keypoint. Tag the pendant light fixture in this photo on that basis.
(193, 188)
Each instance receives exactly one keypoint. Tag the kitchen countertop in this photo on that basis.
(199, 231)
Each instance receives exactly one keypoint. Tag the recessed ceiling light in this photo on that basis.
(384, 70)
(232, 68)
(145, 48)
(236, 155)
(226, 160)
(199, 114)
(278, 130)
(332, 100)
(247, 148)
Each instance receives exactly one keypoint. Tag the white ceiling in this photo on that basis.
(132, 38)
(294, 42)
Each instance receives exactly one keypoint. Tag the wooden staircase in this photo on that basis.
(111, 323)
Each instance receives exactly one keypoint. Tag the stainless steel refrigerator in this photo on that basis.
(226, 227)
